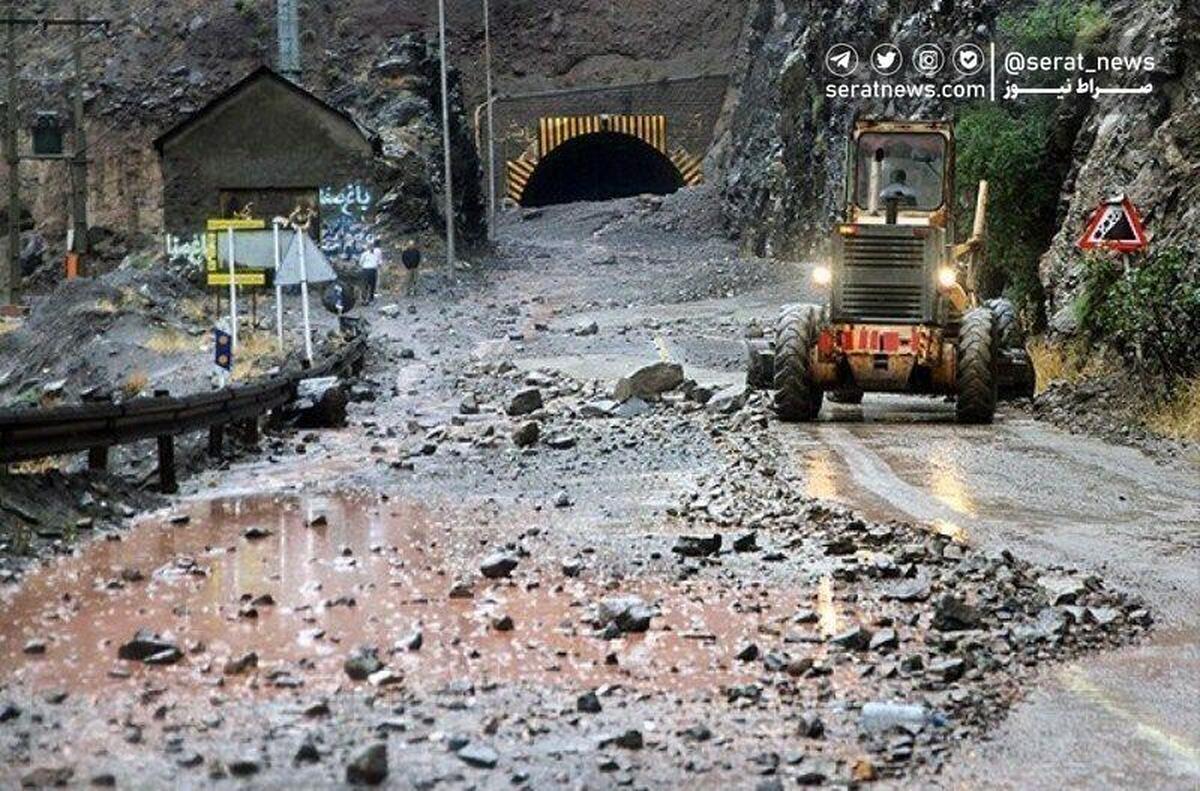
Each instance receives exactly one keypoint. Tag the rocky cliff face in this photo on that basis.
(1147, 147)
(783, 162)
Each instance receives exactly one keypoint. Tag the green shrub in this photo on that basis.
(1149, 312)
(1008, 151)
(1054, 27)
(1010, 146)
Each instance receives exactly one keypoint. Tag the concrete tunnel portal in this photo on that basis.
(599, 157)
(601, 166)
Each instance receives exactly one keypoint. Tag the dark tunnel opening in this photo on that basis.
(600, 166)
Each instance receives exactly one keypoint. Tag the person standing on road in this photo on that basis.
(411, 258)
(370, 261)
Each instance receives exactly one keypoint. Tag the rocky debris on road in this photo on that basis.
(320, 403)
(151, 649)
(524, 402)
(498, 565)
(624, 614)
(1112, 406)
(697, 546)
(649, 382)
(948, 631)
(527, 434)
(362, 663)
(369, 766)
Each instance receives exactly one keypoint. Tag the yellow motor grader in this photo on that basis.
(901, 313)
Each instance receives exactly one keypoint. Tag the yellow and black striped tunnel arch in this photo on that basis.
(553, 131)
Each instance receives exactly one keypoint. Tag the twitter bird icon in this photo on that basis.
(886, 59)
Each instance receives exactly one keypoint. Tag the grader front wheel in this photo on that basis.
(797, 398)
(977, 367)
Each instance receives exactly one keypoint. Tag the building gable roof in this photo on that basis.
(263, 72)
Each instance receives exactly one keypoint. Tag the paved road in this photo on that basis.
(1114, 720)
(1118, 719)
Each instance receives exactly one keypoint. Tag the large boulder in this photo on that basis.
(650, 382)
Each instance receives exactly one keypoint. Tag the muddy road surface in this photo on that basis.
(500, 574)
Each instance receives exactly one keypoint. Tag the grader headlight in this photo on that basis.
(947, 277)
(822, 275)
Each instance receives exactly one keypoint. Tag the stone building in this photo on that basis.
(262, 147)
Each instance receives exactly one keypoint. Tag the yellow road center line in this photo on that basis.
(661, 344)
(1074, 681)
(826, 609)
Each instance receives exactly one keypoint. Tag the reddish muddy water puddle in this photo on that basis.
(373, 573)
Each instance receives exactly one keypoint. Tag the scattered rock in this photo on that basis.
(527, 434)
(630, 739)
(1060, 588)
(856, 638)
(148, 647)
(362, 663)
(479, 755)
(588, 703)
(883, 716)
(239, 665)
(726, 401)
(369, 766)
(627, 613)
(697, 546)
(524, 402)
(649, 382)
(498, 565)
(952, 614)
(747, 542)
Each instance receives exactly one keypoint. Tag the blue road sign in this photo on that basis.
(222, 349)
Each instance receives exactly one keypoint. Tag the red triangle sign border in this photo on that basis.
(1139, 240)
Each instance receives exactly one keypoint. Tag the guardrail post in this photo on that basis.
(216, 440)
(166, 465)
(250, 431)
(167, 481)
(98, 458)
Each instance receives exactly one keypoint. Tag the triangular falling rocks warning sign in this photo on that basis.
(1114, 225)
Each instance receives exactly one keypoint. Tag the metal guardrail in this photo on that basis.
(27, 434)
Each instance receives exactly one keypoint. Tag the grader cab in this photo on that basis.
(901, 313)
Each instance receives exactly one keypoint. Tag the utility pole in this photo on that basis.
(10, 275)
(79, 161)
(288, 33)
(450, 257)
(487, 57)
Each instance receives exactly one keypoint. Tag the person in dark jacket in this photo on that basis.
(411, 258)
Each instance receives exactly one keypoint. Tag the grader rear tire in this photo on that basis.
(977, 367)
(1007, 323)
(797, 398)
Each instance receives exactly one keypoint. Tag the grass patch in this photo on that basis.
(135, 383)
(172, 341)
(256, 353)
(37, 466)
(1179, 417)
(1064, 362)
(194, 310)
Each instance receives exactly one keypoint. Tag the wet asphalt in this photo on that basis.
(1125, 718)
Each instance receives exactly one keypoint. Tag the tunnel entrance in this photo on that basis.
(600, 166)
